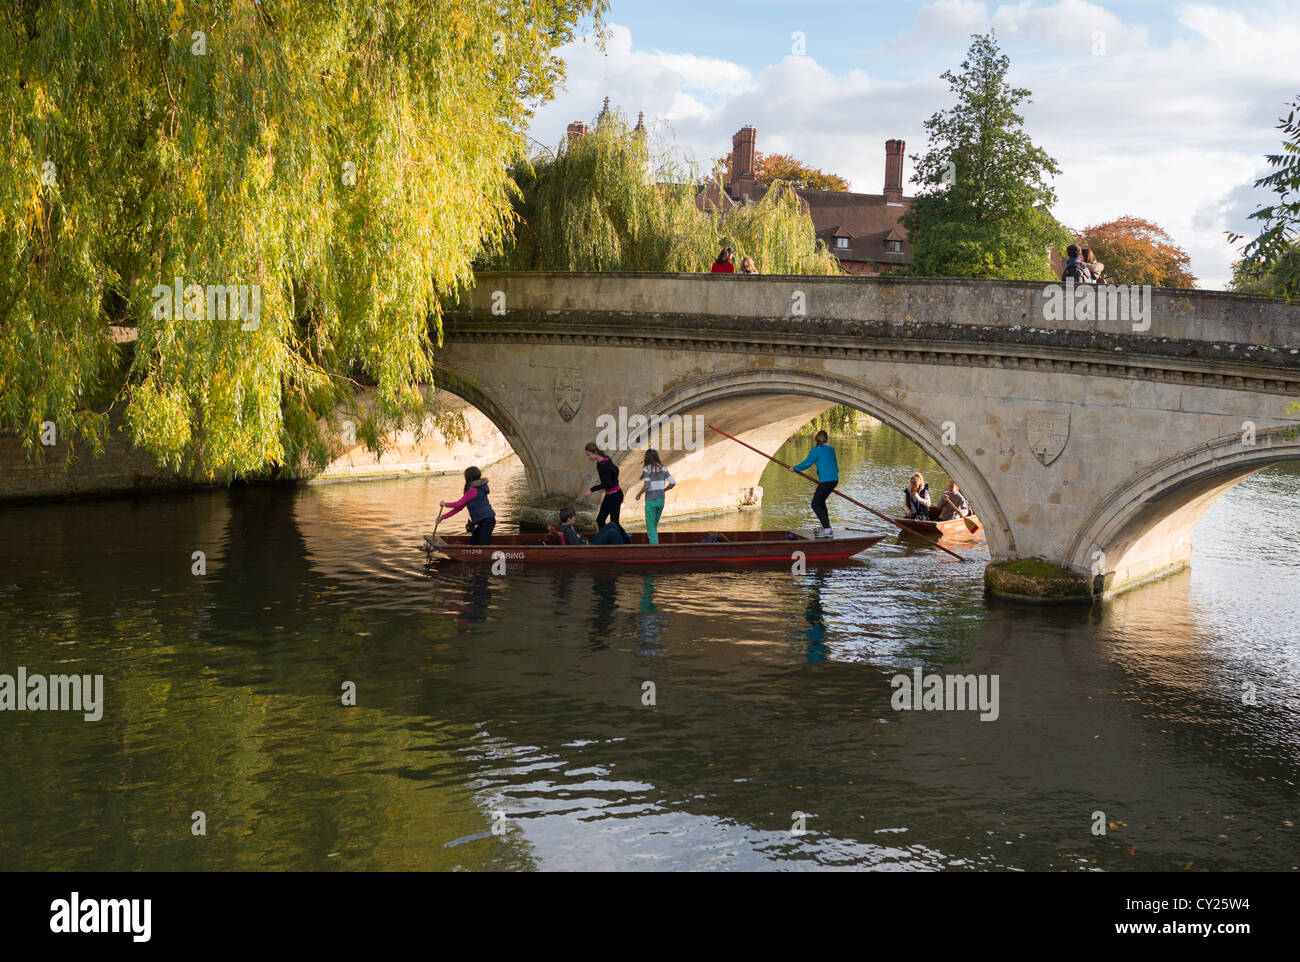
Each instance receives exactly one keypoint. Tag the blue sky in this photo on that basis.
(1160, 110)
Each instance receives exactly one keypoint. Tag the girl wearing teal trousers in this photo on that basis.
(655, 482)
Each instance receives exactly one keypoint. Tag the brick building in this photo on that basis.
(862, 230)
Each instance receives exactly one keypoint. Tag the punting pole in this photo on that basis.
(864, 507)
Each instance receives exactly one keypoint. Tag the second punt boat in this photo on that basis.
(934, 528)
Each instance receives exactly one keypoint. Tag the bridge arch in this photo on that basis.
(468, 390)
(1143, 528)
(717, 393)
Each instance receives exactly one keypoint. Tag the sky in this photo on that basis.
(1153, 109)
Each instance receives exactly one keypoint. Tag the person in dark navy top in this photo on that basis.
(612, 503)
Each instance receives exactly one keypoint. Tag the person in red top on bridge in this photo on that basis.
(726, 262)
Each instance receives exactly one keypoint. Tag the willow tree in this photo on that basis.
(595, 205)
(777, 231)
(608, 200)
(337, 164)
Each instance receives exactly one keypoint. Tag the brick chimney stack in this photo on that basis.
(577, 129)
(740, 179)
(894, 171)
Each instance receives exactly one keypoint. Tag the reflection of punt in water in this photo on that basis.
(675, 547)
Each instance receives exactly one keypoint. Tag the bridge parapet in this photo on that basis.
(1196, 326)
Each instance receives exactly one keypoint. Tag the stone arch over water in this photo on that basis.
(468, 390)
(765, 407)
(1152, 515)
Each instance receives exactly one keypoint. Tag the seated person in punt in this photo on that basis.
(955, 504)
(916, 498)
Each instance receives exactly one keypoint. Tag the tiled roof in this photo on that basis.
(865, 219)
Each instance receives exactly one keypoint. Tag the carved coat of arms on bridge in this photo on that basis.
(568, 393)
(1048, 431)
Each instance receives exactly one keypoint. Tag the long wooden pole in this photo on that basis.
(841, 494)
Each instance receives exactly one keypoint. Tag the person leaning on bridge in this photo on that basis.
(726, 262)
(1075, 267)
(1095, 267)
(747, 266)
(955, 504)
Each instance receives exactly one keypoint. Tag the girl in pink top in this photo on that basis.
(482, 519)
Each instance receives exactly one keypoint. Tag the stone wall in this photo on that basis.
(121, 469)
(124, 469)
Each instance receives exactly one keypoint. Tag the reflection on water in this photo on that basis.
(527, 694)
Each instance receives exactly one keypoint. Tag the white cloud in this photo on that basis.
(1069, 25)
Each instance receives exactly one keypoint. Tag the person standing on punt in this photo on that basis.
(482, 519)
(612, 503)
(828, 475)
(655, 484)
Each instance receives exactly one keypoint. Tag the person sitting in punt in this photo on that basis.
(566, 530)
(916, 499)
(955, 504)
(482, 518)
(612, 533)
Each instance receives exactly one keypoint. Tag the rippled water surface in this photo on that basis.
(523, 695)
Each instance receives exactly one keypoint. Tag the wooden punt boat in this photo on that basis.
(934, 528)
(674, 547)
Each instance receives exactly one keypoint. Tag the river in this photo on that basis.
(1170, 715)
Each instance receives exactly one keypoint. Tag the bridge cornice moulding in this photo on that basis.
(1232, 375)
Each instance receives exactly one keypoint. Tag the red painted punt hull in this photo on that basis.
(676, 547)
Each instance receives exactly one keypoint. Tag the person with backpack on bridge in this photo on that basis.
(1075, 268)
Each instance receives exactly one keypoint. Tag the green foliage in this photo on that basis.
(1270, 263)
(983, 210)
(841, 419)
(348, 158)
(606, 202)
(1280, 278)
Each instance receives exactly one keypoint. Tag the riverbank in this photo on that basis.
(123, 469)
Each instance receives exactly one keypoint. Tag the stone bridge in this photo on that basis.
(1090, 434)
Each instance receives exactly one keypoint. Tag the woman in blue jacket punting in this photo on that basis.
(828, 475)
